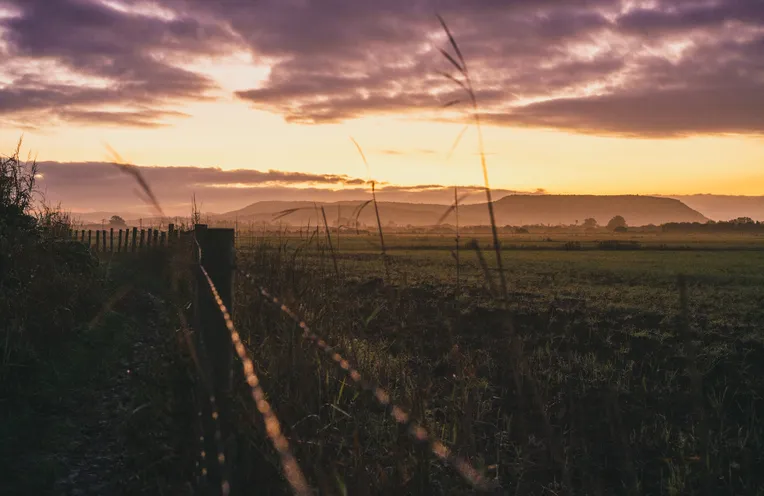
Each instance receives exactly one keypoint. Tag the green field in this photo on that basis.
(586, 380)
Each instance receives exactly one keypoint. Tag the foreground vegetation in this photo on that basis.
(615, 363)
(94, 394)
(620, 388)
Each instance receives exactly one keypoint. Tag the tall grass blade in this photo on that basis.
(376, 210)
(329, 241)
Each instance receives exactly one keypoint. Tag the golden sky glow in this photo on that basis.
(230, 135)
(623, 96)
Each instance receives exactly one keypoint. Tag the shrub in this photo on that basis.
(47, 284)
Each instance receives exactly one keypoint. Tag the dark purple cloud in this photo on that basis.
(681, 16)
(83, 186)
(112, 58)
(679, 67)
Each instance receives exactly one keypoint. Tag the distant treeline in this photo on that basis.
(741, 224)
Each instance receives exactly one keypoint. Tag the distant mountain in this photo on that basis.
(512, 209)
(725, 207)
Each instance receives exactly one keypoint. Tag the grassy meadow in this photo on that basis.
(613, 363)
(593, 377)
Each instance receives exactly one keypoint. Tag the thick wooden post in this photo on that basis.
(148, 239)
(119, 241)
(155, 243)
(162, 236)
(98, 239)
(218, 258)
(103, 240)
(143, 237)
(111, 239)
(170, 234)
(135, 239)
(83, 236)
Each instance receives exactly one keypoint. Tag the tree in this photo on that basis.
(616, 222)
(742, 220)
(590, 222)
(116, 220)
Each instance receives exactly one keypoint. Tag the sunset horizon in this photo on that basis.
(421, 247)
(602, 97)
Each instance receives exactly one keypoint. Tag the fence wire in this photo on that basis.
(476, 479)
(289, 465)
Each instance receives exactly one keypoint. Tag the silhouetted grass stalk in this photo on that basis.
(329, 241)
(466, 85)
(456, 253)
(520, 363)
(376, 211)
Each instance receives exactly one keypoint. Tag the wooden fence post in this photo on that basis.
(143, 237)
(104, 241)
(111, 239)
(98, 239)
(83, 236)
(155, 243)
(148, 239)
(218, 258)
(162, 236)
(135, 239)
(119, 241)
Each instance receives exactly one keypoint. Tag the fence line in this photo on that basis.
(289, 465)
(416, 431)
(142, 239)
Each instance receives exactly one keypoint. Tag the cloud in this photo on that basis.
(709, 91)
(87, 186)
(677, 68)
(615, 67)
(87, 61)
(681, 16)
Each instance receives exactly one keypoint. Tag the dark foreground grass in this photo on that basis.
(106, 408)
(615, 378)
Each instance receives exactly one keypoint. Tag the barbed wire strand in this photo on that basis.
(201, 462)
(201, 362)
(416, 431)
(225, 485)
(289, 465)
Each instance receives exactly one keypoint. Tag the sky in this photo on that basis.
(244, 100)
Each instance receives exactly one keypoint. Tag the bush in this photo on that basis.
(47, 285)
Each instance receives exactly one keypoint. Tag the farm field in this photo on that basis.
(593, 377)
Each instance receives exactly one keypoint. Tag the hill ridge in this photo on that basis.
(510, 209)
